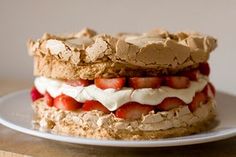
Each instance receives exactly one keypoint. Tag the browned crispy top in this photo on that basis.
(157, 49)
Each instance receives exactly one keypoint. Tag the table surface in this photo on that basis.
(15, 144)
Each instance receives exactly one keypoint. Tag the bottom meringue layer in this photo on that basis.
(95, 124)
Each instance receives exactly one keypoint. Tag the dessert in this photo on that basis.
(126, 86)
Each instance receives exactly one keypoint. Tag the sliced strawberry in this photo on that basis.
(35, 95)
(79, 82)
(212, 88)
(192, 75)
(145, 82)
(170, 103)
(209, 90)
(104, 83)
(133, 110)
(197, 100)
(49, 99)
(177, 82)
(94, 105)
(204, 68)
(65, 102)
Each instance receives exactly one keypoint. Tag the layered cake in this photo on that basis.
(127, 86)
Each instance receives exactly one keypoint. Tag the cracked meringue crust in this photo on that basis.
(95, 124)
(89, 55)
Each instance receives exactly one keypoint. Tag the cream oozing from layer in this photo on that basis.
(112, 99)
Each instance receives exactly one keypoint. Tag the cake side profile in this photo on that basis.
(126, 86)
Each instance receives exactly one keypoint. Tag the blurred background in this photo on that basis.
(21, 20)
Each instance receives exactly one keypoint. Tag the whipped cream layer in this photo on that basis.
(112, 99)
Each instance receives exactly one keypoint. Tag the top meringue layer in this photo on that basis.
(153, 49)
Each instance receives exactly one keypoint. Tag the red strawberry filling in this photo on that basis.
(145, 82)
(198, 99)
(35, 95)
(65, 102)
(94, 105)
(131, 110)
(134, 110)
(192, 75)
(177, 82)
(170, 103)
(204, 68)
(79, 82)
(49, 99)
(104, 83)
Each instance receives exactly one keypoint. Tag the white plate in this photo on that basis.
(16, 113)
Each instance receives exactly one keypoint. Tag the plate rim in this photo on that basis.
(231, 132)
